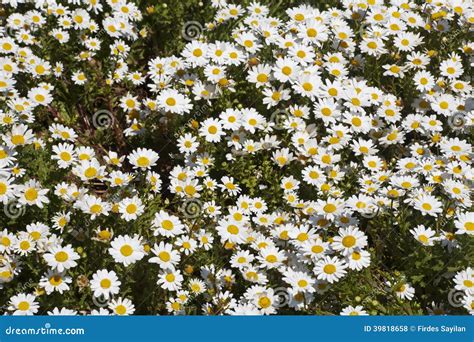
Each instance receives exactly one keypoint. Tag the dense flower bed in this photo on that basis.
(308, 160)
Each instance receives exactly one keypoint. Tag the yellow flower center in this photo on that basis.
(233, 229)
(348, 241)
(61, 256)
(105, 283)
(23, 306)
(126, 250)
(31, 194)
(167, 224)
(329, 208)
(329, 269)
(264, 302)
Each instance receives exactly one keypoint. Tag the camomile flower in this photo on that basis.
(315, 248)
(425, 236)
(249, 42)
(228, 185)
(64, 154)
(79, 77)
(242, 259)
(261, 75)
(263, 298)
(23, 244)
(6, 241)
(358, 259)
(62, 132)
(394, 70)
(62, 312)
(61, 258)
(348, 240)
(211, 130)
(119, 179)
(271, 257)
(31, 193)
(129, 102)
(188, 143)
(285, 69)
(424, 81)
(195, 53)
(88, 170)
(301, 234)
(282, 157)
(232, 231)
(85, 153)
(464, 280)
(427, 205)
(171, 100)
(23, 305)
(114, 159)
(167, 225)
(154, 180)
(405, 291)
(170, 279)
(93, 206)
(122, 306)
(299, 281)
(126, 250)
(143, 158)
(455, 147)
(373, 163)
(373, 46)
(464, 223)
(354, 311)
(444, 104)
(55, 281)
(186, 245)
(313, 32)
(407, 41)
(456, 189)
(273, 96)
(196, 286)
(40, 96)
(165, 255)
(7, 188)
(231, 119)
(18, 136)
(329, 208)
(330, 269)
(358, 123)
(131, 208)
(313, 175)
(451, 69)
(38, 231)
(105, 283)
(307, 85)
(302, 54)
